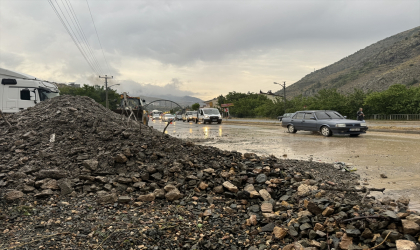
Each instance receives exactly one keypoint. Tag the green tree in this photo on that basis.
(96, 92)
(397, 99)
(195, 106)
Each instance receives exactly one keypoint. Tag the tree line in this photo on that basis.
(96, 92)
(397, 99)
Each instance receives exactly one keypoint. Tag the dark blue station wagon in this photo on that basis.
(327, 122)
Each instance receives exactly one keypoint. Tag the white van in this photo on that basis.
(209, 115)
(20, 91)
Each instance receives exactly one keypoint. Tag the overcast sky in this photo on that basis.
(198, 48)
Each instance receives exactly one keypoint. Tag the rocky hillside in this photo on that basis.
(393, 60)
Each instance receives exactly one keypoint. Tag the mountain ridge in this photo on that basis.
(392, 60)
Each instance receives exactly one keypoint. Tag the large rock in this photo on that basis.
(267, 228)
(304, 213)
(140, 185)
(159, 193)
(229, 186)
(252, 221)
(106, 198)
(314, 208)
(51, 184)
(367, 234)
(328, 211)
(169, 187)
(174, 194)
(91, 164)
(218, 189)
(120, 158)
(346, 242)
(251, 190)
(294, 246)
(404, 200)
(279, 232)
(65, 186)
(265, 194)
(44, 194)
(413, 217)
(261, 178)
(51, 173)
(304, 190)
(28, 189)
(410, 227)
(267, 208)
(405, 245)
(124, 199)
(13, 195)
(203, 185)
(147, 197)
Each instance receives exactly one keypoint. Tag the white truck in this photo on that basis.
(156, 115)
(189, 115)
(19, 91)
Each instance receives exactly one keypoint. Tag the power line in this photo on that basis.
(90, 53)
(70, 34)
(68, 23)
(82, 34)
(98, 36)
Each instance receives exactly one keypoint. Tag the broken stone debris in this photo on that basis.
(102, 180)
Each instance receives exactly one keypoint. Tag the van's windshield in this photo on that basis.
(211, 111)
(44, 94)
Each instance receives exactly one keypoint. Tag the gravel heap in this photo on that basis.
(74, 175)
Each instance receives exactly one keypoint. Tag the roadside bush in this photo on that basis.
(398, 99)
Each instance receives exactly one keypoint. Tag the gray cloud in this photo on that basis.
(216, 46)
(146, 89)
(186, 32)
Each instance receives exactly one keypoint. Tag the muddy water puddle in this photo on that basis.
(372, 154)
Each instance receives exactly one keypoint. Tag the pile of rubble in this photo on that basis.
(74, 175)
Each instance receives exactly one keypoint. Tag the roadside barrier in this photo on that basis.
(397, 117)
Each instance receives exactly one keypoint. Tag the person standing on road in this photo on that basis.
(196, 119)
(360, 115)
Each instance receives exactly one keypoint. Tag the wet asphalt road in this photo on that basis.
(372, 154)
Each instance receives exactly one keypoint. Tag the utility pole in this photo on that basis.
(284, 93)
(106, 88)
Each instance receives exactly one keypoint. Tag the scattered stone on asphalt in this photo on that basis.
(383, 176)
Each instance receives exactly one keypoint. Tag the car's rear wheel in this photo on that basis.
(354, 135)
(326, 131)
(291, 129)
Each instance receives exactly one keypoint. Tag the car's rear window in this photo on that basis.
(308, 116)
(299, 116)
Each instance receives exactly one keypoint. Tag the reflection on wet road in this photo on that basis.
(395, 155)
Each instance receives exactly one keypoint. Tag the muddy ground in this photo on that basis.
(372, 154)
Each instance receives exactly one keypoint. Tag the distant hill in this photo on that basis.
(393, 60)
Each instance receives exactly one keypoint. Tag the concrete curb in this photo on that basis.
(279, 125)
